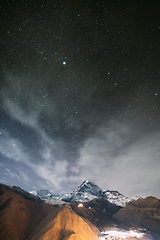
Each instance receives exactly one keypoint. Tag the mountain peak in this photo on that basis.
(84, 193)
(88, 183)
(89, 187)
(89, 190)
(41, 193)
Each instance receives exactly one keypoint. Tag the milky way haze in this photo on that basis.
(80, 95)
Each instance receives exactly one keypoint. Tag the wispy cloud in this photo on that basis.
(132, 168)
(119, 154)
(51, 170)
(114, 156)
(13, 148)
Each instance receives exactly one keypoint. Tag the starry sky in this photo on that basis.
(80, 95)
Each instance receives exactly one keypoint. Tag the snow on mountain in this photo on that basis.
(47, 197)
(117, 198)
(42, 193)
(88, 191)
(84, 193)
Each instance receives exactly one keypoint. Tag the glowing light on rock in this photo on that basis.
(80, 205)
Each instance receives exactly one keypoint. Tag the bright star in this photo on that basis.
(64, 63)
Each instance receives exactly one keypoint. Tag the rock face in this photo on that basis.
(23, 193)
(22, 219)
(103, 205)
(98, 211)
(18, 216)
(144, 212)
(66, 225)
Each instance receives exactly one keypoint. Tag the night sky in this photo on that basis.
(80, 95)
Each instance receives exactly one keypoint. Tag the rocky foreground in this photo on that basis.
(24, 218)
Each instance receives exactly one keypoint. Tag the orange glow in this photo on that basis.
(80, 205)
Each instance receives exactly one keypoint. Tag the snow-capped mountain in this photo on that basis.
(117, 198)
(88, 191)
(42, 193)
(47, 197)
(84, 193)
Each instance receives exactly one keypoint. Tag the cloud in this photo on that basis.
(114, 155)
(52, 171)
(13, 148)
(28, 119)
(53, 175)
(11, 174)
(24, 177)
(132, 169)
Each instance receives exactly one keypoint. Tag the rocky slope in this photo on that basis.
(144, 212)
(23, 219)
(66, 225)
(18, 216)
(98, 211)
(23, 193)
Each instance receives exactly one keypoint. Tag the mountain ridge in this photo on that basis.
(25, 219)
(38, 220)
(85, 192)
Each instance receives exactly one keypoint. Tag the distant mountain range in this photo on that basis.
(85, 192)
(82, 215)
